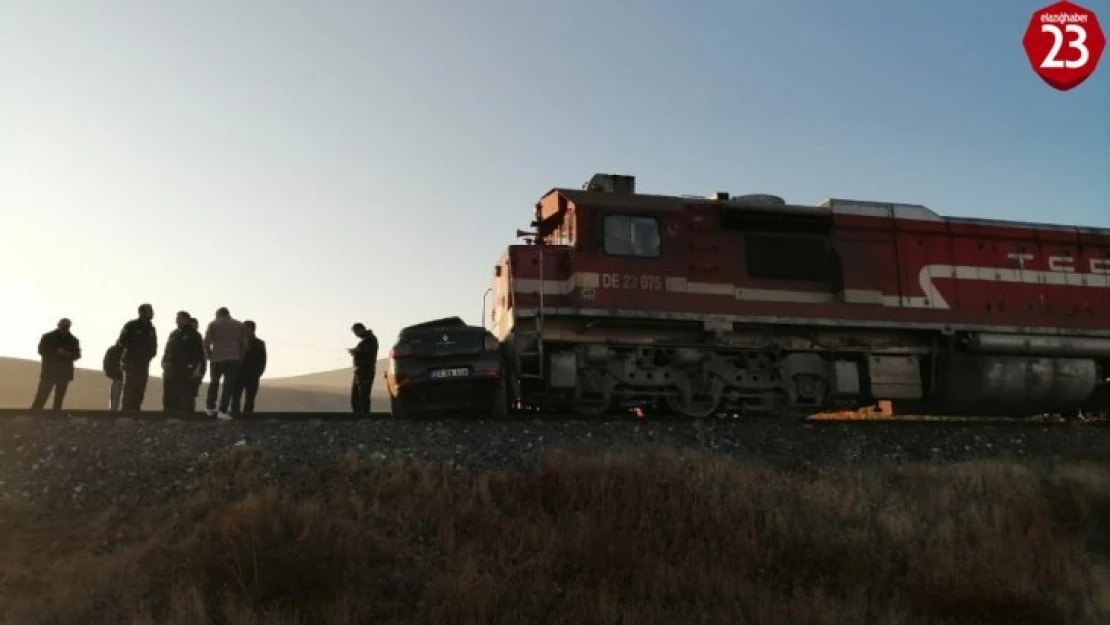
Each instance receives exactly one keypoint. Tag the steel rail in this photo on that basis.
(160, 415)
(23, 414)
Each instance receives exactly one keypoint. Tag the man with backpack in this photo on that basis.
(114, 371)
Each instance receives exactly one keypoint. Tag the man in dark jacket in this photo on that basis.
(183, 354)
(251, 370)
(115, 374)
(365, 356)
(58, 348)
(198, 373)
(139, 341)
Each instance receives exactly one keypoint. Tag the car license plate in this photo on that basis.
(457, 372)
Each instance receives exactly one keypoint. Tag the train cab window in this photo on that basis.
(787, 258)
(628, 235)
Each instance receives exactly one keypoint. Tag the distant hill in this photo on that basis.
(335, 380)
(328, 391)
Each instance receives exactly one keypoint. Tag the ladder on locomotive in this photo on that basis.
(533, 355)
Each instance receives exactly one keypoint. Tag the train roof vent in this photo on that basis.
(611, 183)
(758, 198)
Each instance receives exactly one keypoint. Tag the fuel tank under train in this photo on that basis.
(1016, 375)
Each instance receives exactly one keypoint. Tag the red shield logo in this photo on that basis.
(1064, 43)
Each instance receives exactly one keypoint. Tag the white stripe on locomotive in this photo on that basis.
(931, 298)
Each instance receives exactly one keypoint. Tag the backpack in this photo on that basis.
(112, 367)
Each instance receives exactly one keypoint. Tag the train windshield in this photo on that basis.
(628, 235)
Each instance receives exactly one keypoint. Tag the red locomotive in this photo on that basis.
(747, 305)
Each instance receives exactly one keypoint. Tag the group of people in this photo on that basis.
(229, 350)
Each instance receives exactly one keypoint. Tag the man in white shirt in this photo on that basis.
(225, 343)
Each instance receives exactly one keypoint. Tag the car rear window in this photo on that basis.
(427, 340)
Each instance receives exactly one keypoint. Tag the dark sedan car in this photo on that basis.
(445, 365)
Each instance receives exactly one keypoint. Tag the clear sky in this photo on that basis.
(310, 164)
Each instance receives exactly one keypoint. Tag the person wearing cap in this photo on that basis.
(58, 348)
(365, 357)
(225, 343)
(139, 341)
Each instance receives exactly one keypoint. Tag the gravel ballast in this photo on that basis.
(89, 464)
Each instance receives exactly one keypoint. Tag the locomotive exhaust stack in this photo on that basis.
(744, 304)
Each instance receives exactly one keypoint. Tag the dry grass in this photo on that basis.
(651, 538)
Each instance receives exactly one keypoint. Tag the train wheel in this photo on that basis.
(692, 408)
(811, 390)
(594, 396)
(698, 400)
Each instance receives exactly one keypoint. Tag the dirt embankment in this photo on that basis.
(481, 523)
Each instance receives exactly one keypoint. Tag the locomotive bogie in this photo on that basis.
(702, 380)
(757, 371)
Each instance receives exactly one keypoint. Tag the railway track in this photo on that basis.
(863, 420)
(89, 459)
(158, 415)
